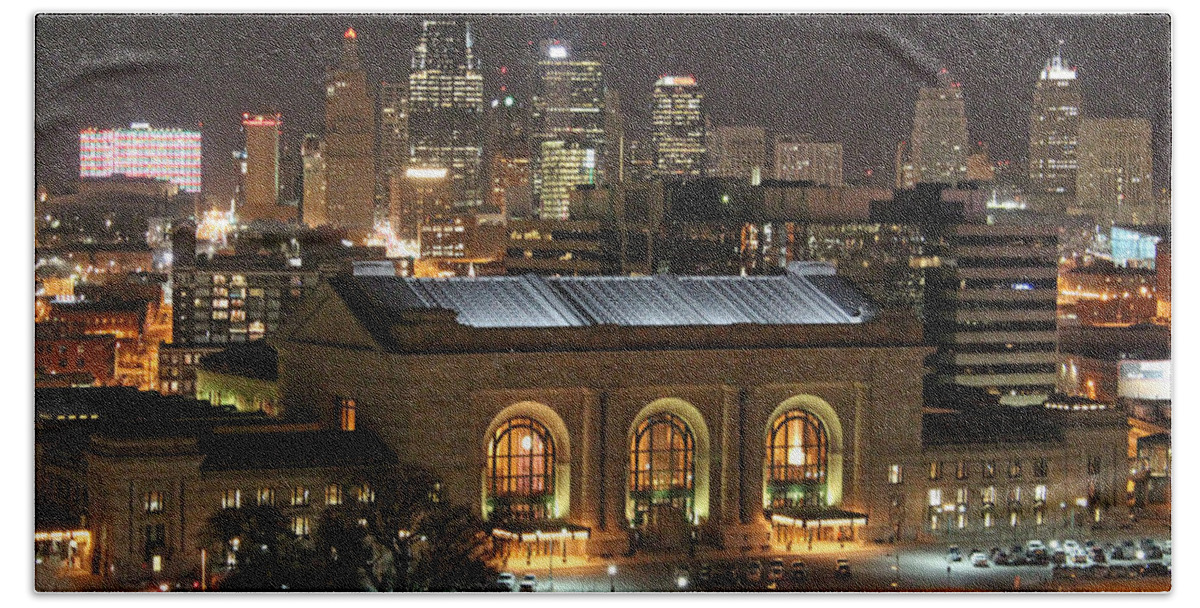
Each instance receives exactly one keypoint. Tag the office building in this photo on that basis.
(172, 155)
(445, 109)
(739, 152)
(1054, 137)
(569, 120)
(1113, 183)
(939, 136)
(678, 127)
(259, 187)
(392, 144)
(905, 173)
(990, 307)
(802, 159)
(349, 144)
(314, 204)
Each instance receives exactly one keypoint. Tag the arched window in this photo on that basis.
(797, 458)
(521, 470)
(662, 464)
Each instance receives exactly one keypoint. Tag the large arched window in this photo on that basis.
(521, 470)
(662, 464)
(797, 459)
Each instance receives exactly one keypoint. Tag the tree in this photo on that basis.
(259, 549)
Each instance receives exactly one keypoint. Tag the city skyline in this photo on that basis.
(80, 86)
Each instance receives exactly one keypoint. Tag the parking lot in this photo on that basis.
(870, 568)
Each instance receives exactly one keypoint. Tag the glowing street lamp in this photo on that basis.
(612, 577)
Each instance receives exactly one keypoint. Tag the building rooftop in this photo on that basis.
(292, 450)
(990, 425)
(808, 293)
(255, 359)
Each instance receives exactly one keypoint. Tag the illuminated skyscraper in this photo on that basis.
(1113, 183)
(678, 127)
(259, 191)
(142, 151)
(737, 151)
(313, 205)
(802, 159)
(392, 150)
(569, 121)
(1054, 137)
(445, 109)
(939, 135)
(349, 144)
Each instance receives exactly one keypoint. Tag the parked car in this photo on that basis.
(954, 555)
(1098, 555)
(843, 567)
(799, 569)
(1034, 546)
(775, 571)
(529, 583)
(1070, 546)
(1154, 569)
(1059, 558)
(979, 560)
(754, 571)
(1155, 553)
(507, 579)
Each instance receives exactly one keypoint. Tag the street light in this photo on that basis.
(612, 577)
(682, 582)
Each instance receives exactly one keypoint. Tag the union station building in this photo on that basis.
(639, 411)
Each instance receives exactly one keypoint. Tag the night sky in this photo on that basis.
(842, 78)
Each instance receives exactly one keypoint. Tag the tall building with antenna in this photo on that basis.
(349, 143)
(445, 109)
(1054, 137)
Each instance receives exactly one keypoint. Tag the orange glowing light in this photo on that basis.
(351, 34)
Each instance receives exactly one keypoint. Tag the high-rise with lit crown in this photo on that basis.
(939, 135)
(142, 151)
(678, 127)
(569, 120)
(1054, 137)
(445, 109)
(349, 143)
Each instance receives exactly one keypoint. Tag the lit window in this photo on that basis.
(1014, 469)
(521, 469)
(299, 496)
(935, 470)
(987, 519)
(348, 411)
(266, 496)
(1039, 493)
(231, 499)
(797, 456)
(960, 471)
(661, 465)
(935, 497)
(333, 494)
(153, 502)
(989, 468)
(895, 474)
(366, 494)
(988, 495)
(300, 525)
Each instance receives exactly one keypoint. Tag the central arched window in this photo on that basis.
(662, 464)
(521, 470)
(797, 459)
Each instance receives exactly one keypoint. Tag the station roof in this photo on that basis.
(807, 294)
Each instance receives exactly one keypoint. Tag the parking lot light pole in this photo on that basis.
(612, 578)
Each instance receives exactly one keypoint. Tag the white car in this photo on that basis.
(508, 579)
(979, 559)
(1070, 547)
(529, 583)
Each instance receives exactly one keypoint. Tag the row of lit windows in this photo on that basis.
(300, 496)
(987, 496)
(989, 519)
